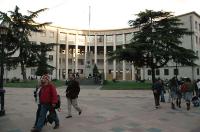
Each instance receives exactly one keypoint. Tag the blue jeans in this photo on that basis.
(42, 116)
(162, 96)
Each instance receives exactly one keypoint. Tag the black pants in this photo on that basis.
(157, 98)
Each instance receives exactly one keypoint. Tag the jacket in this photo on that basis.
(48, 94)
(73, 89)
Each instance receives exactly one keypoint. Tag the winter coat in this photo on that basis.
(73, 89)
(48, 94)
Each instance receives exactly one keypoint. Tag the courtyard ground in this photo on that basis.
(103, 111)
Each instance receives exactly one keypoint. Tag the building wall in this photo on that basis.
(74, 49)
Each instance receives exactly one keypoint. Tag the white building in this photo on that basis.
(71, 53)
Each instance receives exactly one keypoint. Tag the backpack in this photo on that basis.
(184, 88)
(58, 104)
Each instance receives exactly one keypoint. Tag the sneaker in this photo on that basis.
(56, 126)
(79, 112)
(68, 116)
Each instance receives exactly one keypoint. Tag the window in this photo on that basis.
(33, 71)
(166, 71)
(100, 39)
(157, 72)
(197, 71)
(51, 34)
(197, 53)
(176, 72)
(109, 71)
(199, 27)
(43, 34)
(80, 62)
(128, 37)
(196, 39)
(71, 38)
(62, 37)
(119, 39)
(50, 57)
(81, 38)
(109, 39)
(149, 72)
(80, 71)
(195, 24)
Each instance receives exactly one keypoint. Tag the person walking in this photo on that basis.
(72, 93)
(173, 86)
(157, 86)
(187, 89)
(48, 99)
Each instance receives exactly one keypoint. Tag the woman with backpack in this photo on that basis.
(48, 100)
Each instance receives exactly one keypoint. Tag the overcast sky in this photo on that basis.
(105, 14)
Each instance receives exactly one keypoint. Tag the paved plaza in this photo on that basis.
(103, 111)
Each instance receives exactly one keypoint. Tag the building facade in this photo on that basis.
(78, 51)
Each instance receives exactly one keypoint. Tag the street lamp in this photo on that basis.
(3, 32)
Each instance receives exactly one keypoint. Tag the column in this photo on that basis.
(95, 50)
(58, 62)
(124, 64)
(142, 73)
(76, 53)
(66, 58)
(85, 62)
(114, 61)
(57, 55)
(105, 61)
(133, 72)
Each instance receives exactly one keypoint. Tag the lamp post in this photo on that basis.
(3, 32)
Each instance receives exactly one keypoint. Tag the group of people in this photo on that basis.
(49, 101)
(177, 90)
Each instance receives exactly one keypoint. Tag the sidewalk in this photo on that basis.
(103, 111)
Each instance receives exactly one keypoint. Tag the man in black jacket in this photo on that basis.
(72, 93)
(157, 86)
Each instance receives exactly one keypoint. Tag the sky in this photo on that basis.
(104, 14)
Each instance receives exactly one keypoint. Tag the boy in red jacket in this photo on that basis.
(48, 99)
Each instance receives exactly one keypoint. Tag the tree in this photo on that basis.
(22, 26)
(156, 42)
(43, 67)
(95, 70)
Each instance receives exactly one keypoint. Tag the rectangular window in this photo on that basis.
(43, 34)
(176, 72)
(119, 39)
(149, 72)
(166, 71)
(33, 71)
(195, 24)
(109, 71)
(128, 37)
(196, 39)
(100, 39)
(109, 39)
(71, 38)
(51, 35)
(157, 72)
(197, 71)
(50, 57)
(62, 37)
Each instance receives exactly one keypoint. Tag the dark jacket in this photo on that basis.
(73, 89)
(157, 86)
